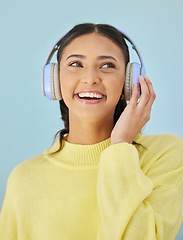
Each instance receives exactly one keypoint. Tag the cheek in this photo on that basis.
(67, 84)
(115, 86)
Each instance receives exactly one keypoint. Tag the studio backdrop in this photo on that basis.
(29, 29)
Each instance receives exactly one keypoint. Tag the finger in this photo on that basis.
(151, 92)
(135, 94)
(145, 94)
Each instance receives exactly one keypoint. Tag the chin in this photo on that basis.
(96, 116)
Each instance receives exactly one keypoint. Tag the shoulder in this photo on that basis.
(162, 151)
(160, 142)
(167, 138)
(26, 171)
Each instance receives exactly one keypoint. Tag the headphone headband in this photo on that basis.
(57, 46)
(136, 50)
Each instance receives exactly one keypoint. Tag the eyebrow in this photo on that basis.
(76, 55)
(98, 58)
(106, 57)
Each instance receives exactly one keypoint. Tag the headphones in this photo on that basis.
(50, 78)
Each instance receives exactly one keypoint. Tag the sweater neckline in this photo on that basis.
(76, 155)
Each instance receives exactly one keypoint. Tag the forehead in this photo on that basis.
(93, 43)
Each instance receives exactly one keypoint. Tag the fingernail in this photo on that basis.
(141, 77)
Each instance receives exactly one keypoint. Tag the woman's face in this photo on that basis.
(92, 74)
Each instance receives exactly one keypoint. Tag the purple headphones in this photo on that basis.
(50, 78)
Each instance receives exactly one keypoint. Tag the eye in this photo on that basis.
(108, 65)
(76, 64)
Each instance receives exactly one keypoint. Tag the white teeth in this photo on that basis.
(91, 95)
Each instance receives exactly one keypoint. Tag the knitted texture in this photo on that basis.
(98, 191)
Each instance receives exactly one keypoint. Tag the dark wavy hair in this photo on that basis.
(85, 28)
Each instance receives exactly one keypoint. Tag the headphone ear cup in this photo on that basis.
(128, 83)
(132, 74)
(51, 84)
(54, 82)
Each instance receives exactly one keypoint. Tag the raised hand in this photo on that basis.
(136, 114)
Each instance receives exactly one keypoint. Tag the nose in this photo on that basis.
(91, 77)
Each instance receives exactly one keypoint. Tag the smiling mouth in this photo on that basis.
(90, 98)
(90, 95)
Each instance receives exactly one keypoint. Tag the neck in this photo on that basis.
(87, 133)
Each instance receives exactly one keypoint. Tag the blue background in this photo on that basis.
(29, 29)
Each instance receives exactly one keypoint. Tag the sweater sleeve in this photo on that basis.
(140, 202)
(8, 219)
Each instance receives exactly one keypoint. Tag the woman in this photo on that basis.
(103, 179)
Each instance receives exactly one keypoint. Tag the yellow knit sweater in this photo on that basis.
(89, 192)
